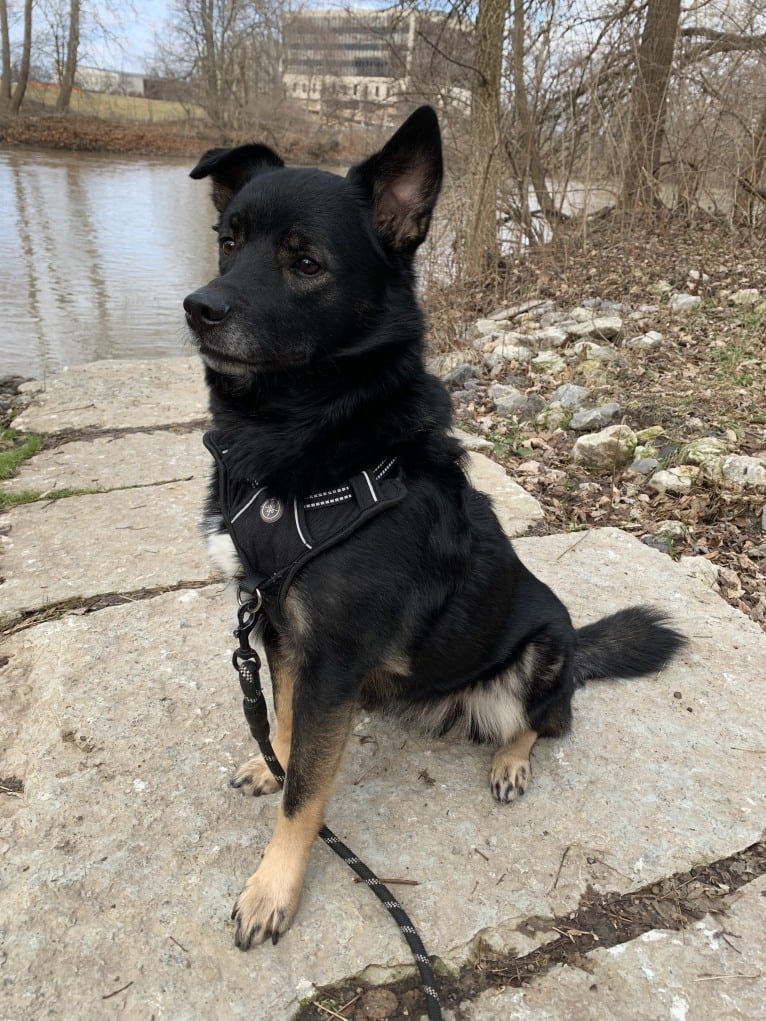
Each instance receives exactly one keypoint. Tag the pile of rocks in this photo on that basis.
(517, 357)
(570, 402)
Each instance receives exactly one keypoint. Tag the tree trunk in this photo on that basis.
(70, 65)
(5, 43)
(749, 191)
(647, 113)
(530, 164)
(484, 162)
(21, 84)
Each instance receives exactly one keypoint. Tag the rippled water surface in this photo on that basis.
(96, 256)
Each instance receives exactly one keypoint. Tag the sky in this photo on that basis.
(133, 45)
(133, 48)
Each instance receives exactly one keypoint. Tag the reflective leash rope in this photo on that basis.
(247, 664)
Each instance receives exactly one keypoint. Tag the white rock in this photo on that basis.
(684, 302)
(551, 336)
(649, 341)
(487, 326)
(570, 396)
(606, 449)
(595, 418)
(547, 361)
(702, 449)
(746, 296)
(672, 480)
(749, 472)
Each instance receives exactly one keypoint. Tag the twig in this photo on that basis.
(108, 996)
(716, 978)
(561, 866)
(332, 1013)
(574, 544)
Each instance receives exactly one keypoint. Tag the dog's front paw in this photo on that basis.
(254, 777)
(265, 908)
(509, 776)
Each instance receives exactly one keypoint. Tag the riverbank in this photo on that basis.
(77, 132)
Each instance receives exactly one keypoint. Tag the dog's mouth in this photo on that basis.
(226, 364)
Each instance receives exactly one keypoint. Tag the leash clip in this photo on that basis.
(250, 605)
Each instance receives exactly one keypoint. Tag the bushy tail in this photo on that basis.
(629, 643)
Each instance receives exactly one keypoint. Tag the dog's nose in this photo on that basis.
(204, 309)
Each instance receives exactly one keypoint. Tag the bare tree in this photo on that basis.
(5, 46)
(70, 62)
(228, 51)
(648, 108)
(26, 54)
(480, 243)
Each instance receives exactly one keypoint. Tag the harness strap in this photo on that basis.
(274, 540)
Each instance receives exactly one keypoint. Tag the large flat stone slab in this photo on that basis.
(114, 462)
(122, 856)
(516, 509)
(83, 546)
(117, 394)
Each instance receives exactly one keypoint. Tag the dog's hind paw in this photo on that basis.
(509, 776)
(254, 777)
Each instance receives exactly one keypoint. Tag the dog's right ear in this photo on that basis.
(232, 168)
(403, 181)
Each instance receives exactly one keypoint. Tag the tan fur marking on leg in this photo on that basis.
(269, 900)
(510, 772)
(254, 776)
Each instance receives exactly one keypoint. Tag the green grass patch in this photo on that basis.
(37, 495)
(13, 452)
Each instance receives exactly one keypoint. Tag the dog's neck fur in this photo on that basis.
(301, 432)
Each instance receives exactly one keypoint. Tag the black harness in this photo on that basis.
(275, 539)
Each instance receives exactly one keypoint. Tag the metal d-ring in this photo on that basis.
(253, 603)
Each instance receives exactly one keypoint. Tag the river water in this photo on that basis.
(96, 255)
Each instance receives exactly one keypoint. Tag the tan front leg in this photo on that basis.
(510, 772)
(269, 899)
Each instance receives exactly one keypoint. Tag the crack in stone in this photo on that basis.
(89, 434)
(91, 604)
(601, 920)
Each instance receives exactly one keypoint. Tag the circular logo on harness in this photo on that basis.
(271, 510)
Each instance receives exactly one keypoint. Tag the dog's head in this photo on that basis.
(308, 259)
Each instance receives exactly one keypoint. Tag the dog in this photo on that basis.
(312, 340)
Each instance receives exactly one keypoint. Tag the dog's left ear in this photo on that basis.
(232, 168)
(403, 181)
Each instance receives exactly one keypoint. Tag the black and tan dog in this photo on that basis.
(312, 340)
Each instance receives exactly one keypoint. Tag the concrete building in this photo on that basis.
(116, 83)
(365, 62)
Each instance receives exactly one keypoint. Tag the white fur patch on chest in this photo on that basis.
(222, 554)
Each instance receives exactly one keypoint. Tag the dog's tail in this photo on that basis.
(629, 643)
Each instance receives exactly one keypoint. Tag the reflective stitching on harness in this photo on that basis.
(371, 487)
(248, 504)
(298, 526)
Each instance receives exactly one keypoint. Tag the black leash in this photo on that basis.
(247, 664)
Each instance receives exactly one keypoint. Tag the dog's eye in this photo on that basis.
(307, 267)
(227, 245)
